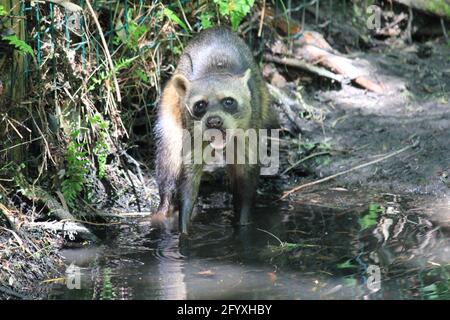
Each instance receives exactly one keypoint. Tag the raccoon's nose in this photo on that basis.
(214, 122)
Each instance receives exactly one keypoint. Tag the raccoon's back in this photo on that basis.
(216, 50)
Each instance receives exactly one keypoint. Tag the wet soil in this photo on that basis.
(362, 126)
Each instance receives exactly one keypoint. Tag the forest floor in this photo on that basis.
(362, 126)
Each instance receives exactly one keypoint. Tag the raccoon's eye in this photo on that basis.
(229, 104)
(200, 108)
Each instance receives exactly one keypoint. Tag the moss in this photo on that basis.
(439, 6)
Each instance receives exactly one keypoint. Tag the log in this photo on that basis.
(296, 63)
(312, 47)
(313, 53)
(67, 228)
(338, 64)
(440, 8)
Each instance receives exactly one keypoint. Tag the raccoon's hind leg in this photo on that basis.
(244, 181)
(169, 136)
(167, 182)
(167, 178)
(189, 186)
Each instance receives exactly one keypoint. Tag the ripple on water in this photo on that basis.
(321, 253)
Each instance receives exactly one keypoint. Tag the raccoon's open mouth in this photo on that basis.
(219, 142)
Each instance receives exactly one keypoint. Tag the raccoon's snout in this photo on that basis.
(214, 122)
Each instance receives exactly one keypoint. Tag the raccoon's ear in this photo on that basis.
(181, 84)
(247, 74)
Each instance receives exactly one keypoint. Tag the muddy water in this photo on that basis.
(382, 248)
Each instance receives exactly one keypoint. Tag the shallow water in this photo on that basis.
(381, 248)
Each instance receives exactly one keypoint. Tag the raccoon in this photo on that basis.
(218, 85)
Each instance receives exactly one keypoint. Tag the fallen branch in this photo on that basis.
(302, 64)
(390, 155)
(132, 214)
(338, 64)
(67, 228)
(313, 53)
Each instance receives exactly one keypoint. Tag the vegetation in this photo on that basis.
(79, 86)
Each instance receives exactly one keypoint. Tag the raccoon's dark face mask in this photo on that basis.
(218, 92)
(221, 102)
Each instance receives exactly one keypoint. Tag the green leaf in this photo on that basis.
(172, 16)
(142, 76)
(205, 20)
(236, 10)
(3, 12)
(370, 219)
(19, 45)
(346, 265)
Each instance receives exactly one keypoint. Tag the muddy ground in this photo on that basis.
(361, 126)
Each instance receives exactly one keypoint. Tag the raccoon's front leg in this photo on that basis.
(189, 186)
(244, 181)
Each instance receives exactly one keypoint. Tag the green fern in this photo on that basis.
(18, 44)
(123, 63)
(135, 32)
(77, 167)
(101, 148)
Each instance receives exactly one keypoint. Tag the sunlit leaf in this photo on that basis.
(172, 16)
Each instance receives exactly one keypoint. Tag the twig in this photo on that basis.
(261, 22)
(444, 30)
(270, 233)
(390, 155)
(105, 48)
(409, 26)
(18, 239)
(20, 144)
(305, 159)
(92, 223)
(296, 63)
(9, 216)
(184, 16)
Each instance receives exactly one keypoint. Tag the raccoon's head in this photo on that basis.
(221, 102)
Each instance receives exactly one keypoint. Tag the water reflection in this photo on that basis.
(384, 247)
